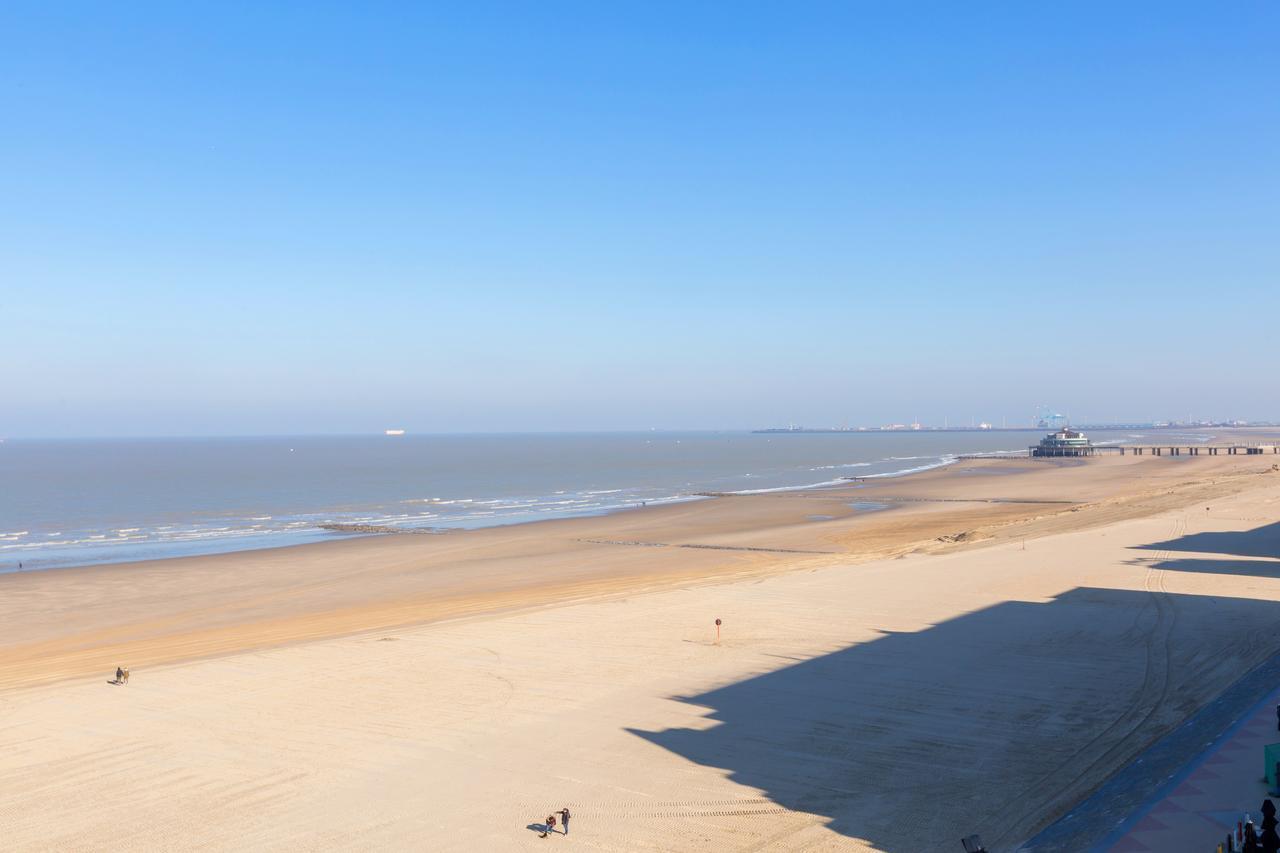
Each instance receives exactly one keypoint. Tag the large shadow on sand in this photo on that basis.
(1252, 568)
(993, 722)
(1261, 541)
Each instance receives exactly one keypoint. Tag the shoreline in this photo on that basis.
(183, 608)
(92, 532)
(326, 532)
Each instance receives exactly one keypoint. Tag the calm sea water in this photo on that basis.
(74, 502)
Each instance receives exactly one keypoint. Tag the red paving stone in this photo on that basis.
(1197, 813)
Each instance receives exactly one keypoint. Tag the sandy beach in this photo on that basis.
(903, 661)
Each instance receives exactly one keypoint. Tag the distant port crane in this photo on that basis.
(1047, 418)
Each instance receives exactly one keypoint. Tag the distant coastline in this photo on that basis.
(985, 429)
(134, 499)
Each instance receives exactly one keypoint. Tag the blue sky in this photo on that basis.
(264, 218)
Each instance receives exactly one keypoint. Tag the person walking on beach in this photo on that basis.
(564, 819)
(119, 675)
(551, 825)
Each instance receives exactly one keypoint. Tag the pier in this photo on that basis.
(1199, 449)
(1068, 442)
(1039, 452)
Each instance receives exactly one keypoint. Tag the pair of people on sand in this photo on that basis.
(551, 822)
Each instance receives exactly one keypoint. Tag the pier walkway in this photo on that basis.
(1038, 452)
(1196, 449)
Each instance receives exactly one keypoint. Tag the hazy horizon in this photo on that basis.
(249, 220)
(840, 428)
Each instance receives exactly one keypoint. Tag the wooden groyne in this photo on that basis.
(638, 544)
(367, 529)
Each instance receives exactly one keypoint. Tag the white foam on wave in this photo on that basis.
(941, 461)
(787, 488)
(937, 462)
(842, 465)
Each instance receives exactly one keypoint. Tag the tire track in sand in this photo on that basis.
(1079, 769)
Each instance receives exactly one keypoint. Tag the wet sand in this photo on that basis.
(975, 658)
(75, 622)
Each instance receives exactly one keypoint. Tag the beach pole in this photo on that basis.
(717, 632)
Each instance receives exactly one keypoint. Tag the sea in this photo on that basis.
(71, 502)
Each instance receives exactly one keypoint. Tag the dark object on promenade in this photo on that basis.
(973, 844)
(1250, 843)
(1270, 841)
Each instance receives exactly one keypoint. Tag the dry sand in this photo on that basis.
(975, 659)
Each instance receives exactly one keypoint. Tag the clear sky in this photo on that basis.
(315, 217)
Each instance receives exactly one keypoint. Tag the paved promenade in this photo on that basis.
(1193, 812)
